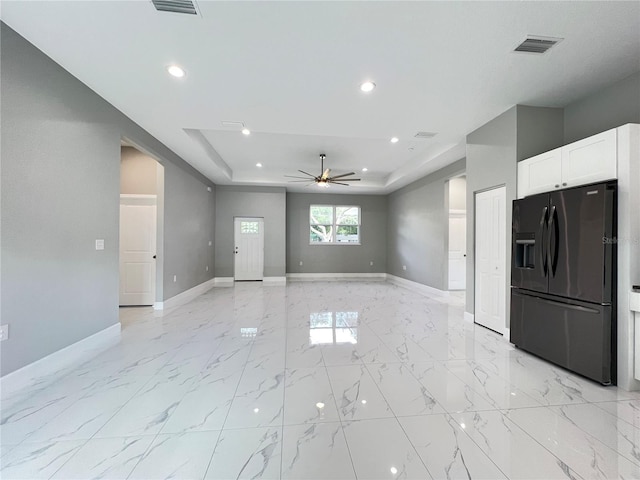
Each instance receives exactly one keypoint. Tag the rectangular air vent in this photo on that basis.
(425, 135)
(539, 45)
(176, 6)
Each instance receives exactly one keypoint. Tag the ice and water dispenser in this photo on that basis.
(525, 251)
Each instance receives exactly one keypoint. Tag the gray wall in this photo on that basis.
(611, 107)
(492, 154)
(458, 193)
(189, 226)
(60, 191)
(491, 162)
(337, 258)
(418, 228)
(138, 172)
(266, 202)
(539, 130)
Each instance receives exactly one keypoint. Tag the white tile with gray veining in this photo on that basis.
(316, 380)
(183, 456)
(249, 453)
(446, 450)
(108, 458)
(316, 451)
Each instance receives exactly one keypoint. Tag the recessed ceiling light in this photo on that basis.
(365, 169)
(246, 131)
(176, 71)
(367, 86)
(320, 405)
(395, 140)
(258, 165)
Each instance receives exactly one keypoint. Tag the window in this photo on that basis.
(334, 224)
(249, 227)
(327, 328)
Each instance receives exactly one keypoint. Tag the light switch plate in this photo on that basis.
(100, 244)
(4, 332)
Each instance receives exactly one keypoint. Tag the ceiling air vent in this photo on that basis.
(425, 135)
(176, 6)
(539, 45)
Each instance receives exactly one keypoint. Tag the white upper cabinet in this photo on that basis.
(590, 160)
(540, 173)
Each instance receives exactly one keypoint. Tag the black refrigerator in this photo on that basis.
(563, 278)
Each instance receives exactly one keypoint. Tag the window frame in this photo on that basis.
(334, 226)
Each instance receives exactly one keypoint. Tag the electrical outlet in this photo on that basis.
(300, 262)
(100, 244)
(371, 263)
(175, 278)
(404, 267)
(4, 333)
(207, 268)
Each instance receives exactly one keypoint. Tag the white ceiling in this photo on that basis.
(291, 71)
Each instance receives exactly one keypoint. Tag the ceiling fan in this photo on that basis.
(324, 180)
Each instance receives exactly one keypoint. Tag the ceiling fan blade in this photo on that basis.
(293, 176)
(299, 181)
(302, 171)
(346, 179)
(340, 183)
(344, 175)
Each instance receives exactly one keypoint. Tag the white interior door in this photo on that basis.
(137, 249)
(249, 248)
(490, 259)
(457, 251)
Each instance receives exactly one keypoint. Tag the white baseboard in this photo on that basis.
(469, 317)
(274, 281)
(506, 335)
(416, 287)
(223, 281)
(335, 277)
(41, 371)
(185, 296)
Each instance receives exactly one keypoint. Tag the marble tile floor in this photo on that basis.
(317, 380)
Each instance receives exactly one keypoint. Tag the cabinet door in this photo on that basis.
(541, 173)
(590, 160)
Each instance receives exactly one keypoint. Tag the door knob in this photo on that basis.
(154, 256)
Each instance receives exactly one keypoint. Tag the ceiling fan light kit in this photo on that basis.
(324, 180)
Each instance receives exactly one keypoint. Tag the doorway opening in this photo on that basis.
(457, 248)
(141, 214)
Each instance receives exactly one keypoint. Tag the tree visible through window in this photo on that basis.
(334, 224)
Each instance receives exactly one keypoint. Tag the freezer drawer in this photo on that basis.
(574, 335)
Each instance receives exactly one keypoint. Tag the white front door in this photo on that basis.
(249, 248)
(137, 249)
(490, 259)
(457, 251)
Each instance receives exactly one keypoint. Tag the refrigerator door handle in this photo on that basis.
(569, 306)
(543, 250)
(552, 251)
